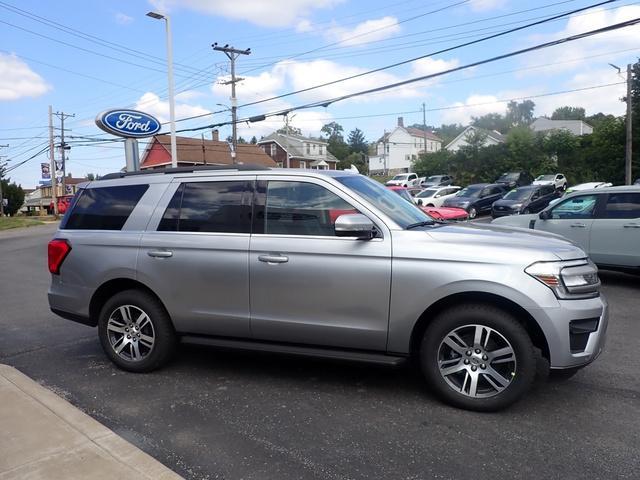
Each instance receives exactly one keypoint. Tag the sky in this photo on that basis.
(84, 57)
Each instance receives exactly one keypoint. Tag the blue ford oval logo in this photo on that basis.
(128, 123)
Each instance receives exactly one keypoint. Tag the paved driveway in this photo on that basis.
(216, 414)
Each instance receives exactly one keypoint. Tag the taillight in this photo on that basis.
(57, 251)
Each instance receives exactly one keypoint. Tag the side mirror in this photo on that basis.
(354, 225)
(545, 215)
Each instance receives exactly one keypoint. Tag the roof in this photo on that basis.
(493, 134)
(414, 132)
(190, 150)
(577, 127)
(294, 145)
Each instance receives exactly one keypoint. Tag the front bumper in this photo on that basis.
(555, 323)
(503, 213)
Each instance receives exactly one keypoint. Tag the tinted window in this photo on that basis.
(547, 190)
(496, 191)
(209, 207)
(299, 208)
(470, 191)
(428, 193)
(104, 208)
(622, 205)
(576, 207)
(518, 194)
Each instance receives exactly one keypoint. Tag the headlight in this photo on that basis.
(568, 280)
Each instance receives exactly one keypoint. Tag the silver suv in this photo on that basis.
(322, 263)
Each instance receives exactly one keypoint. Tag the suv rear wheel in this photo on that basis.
(478, 357)
(136, 332)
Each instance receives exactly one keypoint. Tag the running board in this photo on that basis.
(335, 354)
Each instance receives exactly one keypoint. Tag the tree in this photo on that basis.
(14, 195)
(333, 131)
(448, 132)
(520, 114)
(289, 130)
(359, 159)
(568, 113)
(337, 146)
(253, 140)
(491, 121)
(356, 141)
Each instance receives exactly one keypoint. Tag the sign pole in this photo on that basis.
(132, 154)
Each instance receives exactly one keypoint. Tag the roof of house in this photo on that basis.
(294, 146)
(414, 132)
(577, 127)
(190, 150)
(493, 134)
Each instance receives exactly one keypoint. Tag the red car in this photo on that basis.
(439, 213)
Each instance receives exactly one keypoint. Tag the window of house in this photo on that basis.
(104, 208)
(387, 148)
(299, 208)
(321, 149)
(308, 149)
(209, 207)
(273, 149)
(303, 164)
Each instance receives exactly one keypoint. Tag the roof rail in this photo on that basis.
(195, 168)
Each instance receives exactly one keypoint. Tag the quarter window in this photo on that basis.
(300, 208)
(222, 207)
(104, 208)
(576, 207)
(622, 205)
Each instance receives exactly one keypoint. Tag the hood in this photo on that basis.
(453, 201)
(446, 213)
(495, 242)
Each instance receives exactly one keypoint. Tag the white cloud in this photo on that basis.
(17, 80)
(309, 122)
(473, 106)
(274, 13)
(429, 66)
(365, 32)
(151, 103)
(304, 26)
(485, 5)
(123, 18)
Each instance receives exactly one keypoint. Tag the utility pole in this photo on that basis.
(1, 172)
(628, 150)
(232, 54)
(63, 147)
(52, 154)
(424, 122)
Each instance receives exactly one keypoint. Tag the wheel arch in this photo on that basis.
(108, 289)
(526, 320)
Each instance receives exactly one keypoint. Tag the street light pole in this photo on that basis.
(172, 101)
(628, 160)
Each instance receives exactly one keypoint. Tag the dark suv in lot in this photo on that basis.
(523, 200)
(515, 179)
(324, 263)
(477, 198)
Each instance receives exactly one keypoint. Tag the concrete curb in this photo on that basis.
(44, 436)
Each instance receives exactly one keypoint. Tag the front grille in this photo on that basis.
(579, 331)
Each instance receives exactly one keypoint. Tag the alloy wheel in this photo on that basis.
(131, 333)
(476, 361)
(472, 213)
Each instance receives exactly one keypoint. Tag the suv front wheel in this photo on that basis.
(136, 332)
(478, 357)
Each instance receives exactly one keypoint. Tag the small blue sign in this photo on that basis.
(128, 123)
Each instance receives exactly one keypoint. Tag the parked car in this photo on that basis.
(524, 200)
(439, 213)
(437, 181)
(603, 222)
(256, 258)
(404, 180)
(558, 180)
(434, 196)
(515, 179)
(477, 198)
(583, 186)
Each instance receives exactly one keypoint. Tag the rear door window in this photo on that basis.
(622, 205)
(223, 207)
(104, 208)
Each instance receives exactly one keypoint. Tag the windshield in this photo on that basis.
(509, 177)
(428, 193)
(403, 212)
(435, 178)
(546, 177)
(470, 191)
(400, 177)
(518, 194)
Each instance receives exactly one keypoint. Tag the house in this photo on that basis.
(296, 151)
(395, 151)
(576, 127)
(491, 137)
(198, 151)
(40, 200)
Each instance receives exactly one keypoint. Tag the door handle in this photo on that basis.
(273, 258)
(160, 253)
(631, 225)
(578, 225)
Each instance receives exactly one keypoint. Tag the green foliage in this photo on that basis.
(491, 121)
(520, 114)
(337, 146)
(568, 113)
(14, 195)
(447, 132)
(356, 141)
(253, 140)
(359, 159)
(289, 130)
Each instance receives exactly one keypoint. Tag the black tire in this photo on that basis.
(508, 328)
(158, 326)
(473, 213)
(563, 375)
(430, 205)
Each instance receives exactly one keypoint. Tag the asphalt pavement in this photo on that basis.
(217, 414)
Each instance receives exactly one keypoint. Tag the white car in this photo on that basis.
(581, 187)
(404, 180)
(435, 196)
(558, 180)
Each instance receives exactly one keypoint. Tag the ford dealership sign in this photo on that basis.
(128, 123)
